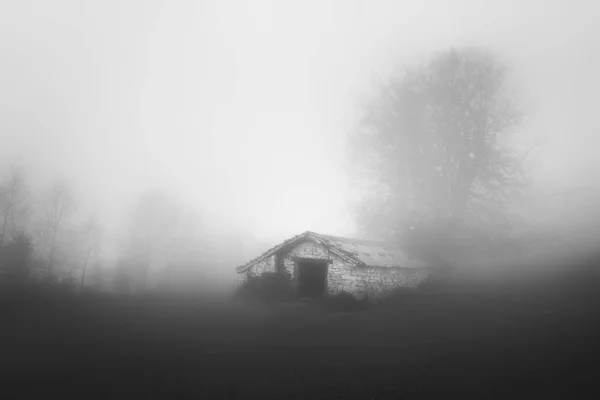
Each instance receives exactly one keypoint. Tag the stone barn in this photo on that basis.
(324, 265)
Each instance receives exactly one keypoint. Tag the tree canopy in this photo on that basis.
(431, 147)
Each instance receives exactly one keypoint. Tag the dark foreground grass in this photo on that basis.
(473, 340)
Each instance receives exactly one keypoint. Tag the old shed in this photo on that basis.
(322, 264)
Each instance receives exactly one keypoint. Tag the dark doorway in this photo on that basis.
(311, 279)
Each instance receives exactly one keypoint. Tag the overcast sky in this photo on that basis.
(242, 106)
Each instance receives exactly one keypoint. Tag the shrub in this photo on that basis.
(69, 283)
(16, 258)
(123, 283)
(398, 296)
(432, 284)
(343, 301)
(268, 287)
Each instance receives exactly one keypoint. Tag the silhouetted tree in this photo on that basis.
(430, 149)
(17, 257)
(59, 206)
(91, 233)
(123, 280)
(12, 196)
(97, 275)
(162, 233)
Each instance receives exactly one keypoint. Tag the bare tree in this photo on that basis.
(123, 277)
(183, 242)
(59, 207)
(12, 196)
(92, 233)
(98, 275)
(17, 257)
(162, 233)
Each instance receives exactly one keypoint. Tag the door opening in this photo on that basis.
(312, 277)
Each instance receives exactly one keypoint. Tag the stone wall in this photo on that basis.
(371, 282)
(306, 249)
(342, 276)
(266, 265)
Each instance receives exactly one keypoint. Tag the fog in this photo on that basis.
(241, 109)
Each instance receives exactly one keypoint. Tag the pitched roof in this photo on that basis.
(358, 252)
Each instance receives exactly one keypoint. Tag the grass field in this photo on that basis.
(475, 340)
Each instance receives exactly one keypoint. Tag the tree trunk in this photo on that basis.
(3, 231)
(87, 257)
(50, 262)
(52, 251)
(7, 212)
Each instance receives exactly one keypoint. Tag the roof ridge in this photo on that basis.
(338, 245)
(265, 254)
(374, 241)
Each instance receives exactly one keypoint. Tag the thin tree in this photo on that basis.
(18, 257)
(92, 232)
(98, 275)
(12, 195)
(155, 233)
(60, 206)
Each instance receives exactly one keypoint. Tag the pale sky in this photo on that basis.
(242, 107)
